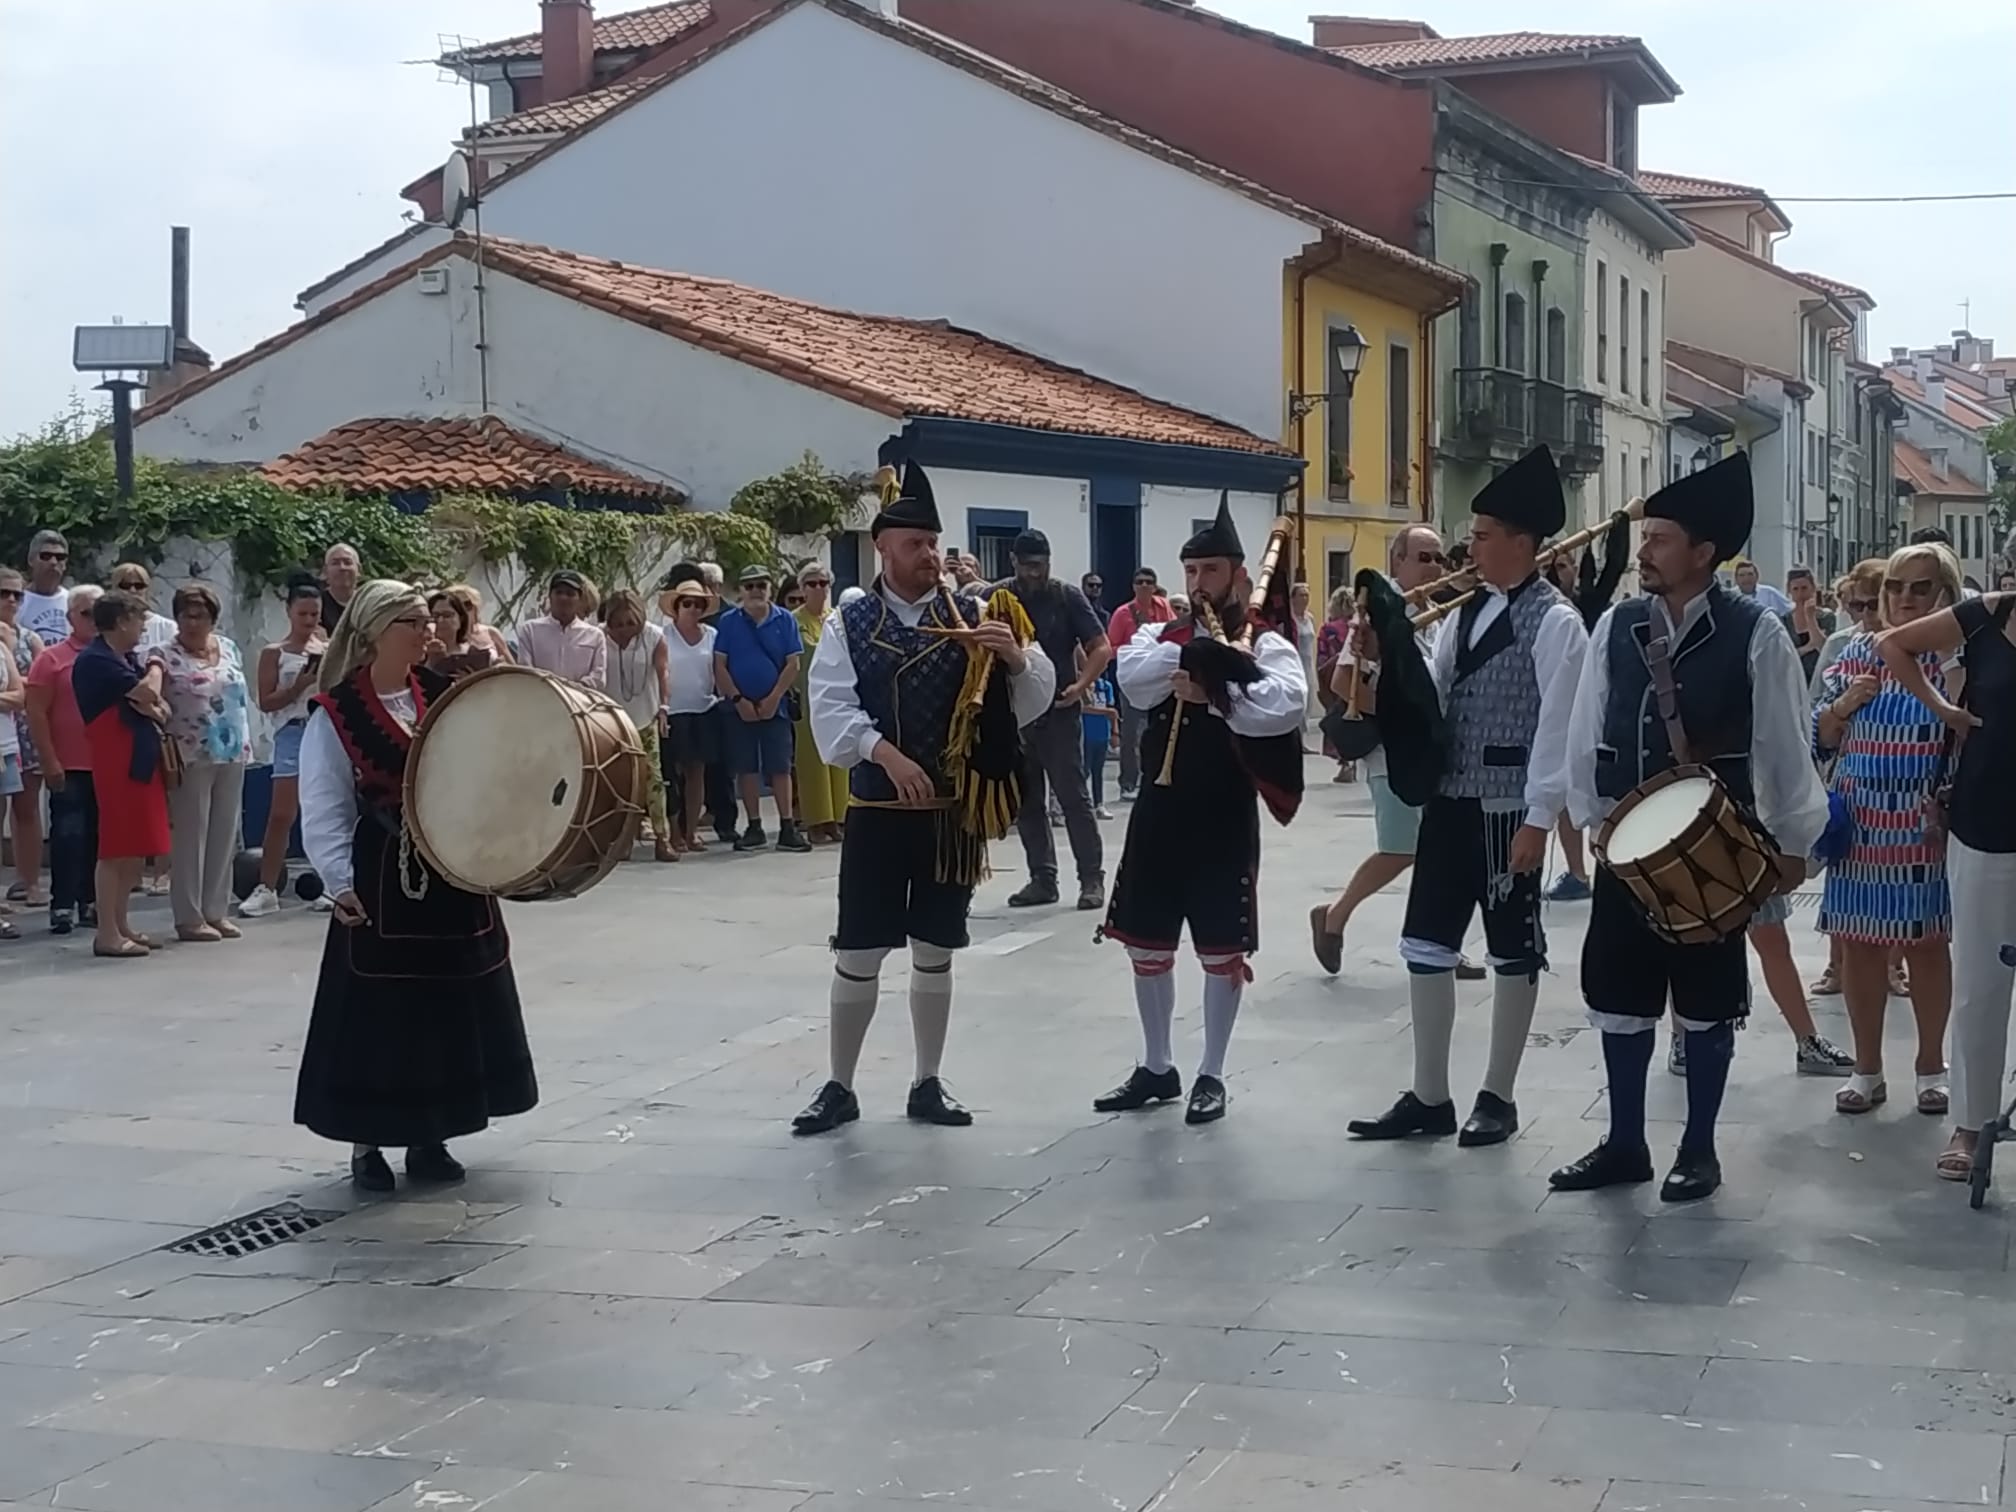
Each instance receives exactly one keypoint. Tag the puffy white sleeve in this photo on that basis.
(328, 804)
(841, 728)
(1560, 646)
(1447, 633)
(1586, 808)
(1032, 691)
(1277, 703)
(1791, 802)
(1146, 666)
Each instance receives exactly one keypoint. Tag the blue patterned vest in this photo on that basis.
(908, 682)
(1492, 707)
(1711, 669)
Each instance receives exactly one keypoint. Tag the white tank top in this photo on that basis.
(291, 663)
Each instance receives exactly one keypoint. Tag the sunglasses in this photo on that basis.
(15, 594)
(1430, 558)
(1144, 582)
(131, 585)
(54, 556)
(1915, 587)
(1858, 606)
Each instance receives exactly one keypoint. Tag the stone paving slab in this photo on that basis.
(649, 1294)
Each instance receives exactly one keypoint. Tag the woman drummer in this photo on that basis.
(416, 1036)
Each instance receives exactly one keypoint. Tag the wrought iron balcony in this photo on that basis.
(1584, 450)
(1548, 405)
(1491, 410)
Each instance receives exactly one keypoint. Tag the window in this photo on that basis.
(1645, 476)
(1337, 422)
(1515, 332)
(1399, 413)
(1623, 335)
(1645, 345)
(990, 534)
(1336, 572)
(1623, 475)
(1469, 330)
(1602, 322)
(1623, 134)
(1557, 346)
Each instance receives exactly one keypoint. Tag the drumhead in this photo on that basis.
(1657, 819)
(498, 778)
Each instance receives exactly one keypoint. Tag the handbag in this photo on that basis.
(171, 761)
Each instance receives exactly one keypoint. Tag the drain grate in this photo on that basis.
(254, 1231)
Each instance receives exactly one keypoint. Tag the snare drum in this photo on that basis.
(523, 786)
(1695, 863)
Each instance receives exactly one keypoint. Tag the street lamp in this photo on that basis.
(1349, 347)
(115, 350)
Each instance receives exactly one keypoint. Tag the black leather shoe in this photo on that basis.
(1604, 1166)
(1695, 1174)
(1492, 1120)
(1092, 895)
(929, 1103)
(433, 1163)
(1141, 1088)
(1406, 1117)
(1207, 1101)
(833, 1106)
(371, 1173)
(1033, 894)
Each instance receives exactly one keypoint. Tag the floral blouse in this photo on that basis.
(209, 708)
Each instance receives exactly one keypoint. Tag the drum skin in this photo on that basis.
(1703, 882)
(521, 785)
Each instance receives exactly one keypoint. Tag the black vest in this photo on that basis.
(1711, 667)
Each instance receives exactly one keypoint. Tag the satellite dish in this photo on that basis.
(458, 191)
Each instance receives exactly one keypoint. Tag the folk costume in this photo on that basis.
(1192, 854)
(1505, 674)
(1740, 701)
(880, 673)
(416, 1036)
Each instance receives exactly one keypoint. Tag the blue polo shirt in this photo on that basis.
(756, 653)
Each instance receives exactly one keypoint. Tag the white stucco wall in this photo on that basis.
(819, 158)
(1169, 517)
(1634, 447)
(402, 252)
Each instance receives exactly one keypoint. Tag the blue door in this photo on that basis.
(1116, 535)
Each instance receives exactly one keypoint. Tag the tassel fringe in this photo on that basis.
(984, 807)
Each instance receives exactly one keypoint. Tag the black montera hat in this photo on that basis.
(908, 504)
(1218, 539)
(1715, 504)
(1527, 495)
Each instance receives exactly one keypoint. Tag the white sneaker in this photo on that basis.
(260, 902)
(1102, 812)
(322, 903)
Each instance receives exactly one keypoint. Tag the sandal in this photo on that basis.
(1933, 1094)
(196, 934)
(145, 942)
(8, 931)
(1828, 984)
(125, 950)
(225, 928)
(1863, 1094)
(1955, 1162)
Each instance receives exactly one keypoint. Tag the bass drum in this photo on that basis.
(523, 786)
(1689, 855)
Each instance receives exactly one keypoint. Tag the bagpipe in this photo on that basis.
(1407, 716)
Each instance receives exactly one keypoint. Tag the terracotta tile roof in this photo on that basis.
(1915, 468)
(1685, 186)
(628, 31)
(561, 115)
(479, 455)
(1839, 289)
(1961, 408)
(1499, 47)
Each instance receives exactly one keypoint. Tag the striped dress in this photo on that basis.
(1891, 886)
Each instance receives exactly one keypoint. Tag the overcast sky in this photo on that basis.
(281, 130)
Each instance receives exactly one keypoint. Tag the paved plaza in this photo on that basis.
(649, 1296)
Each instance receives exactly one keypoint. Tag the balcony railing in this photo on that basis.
(1585, 431)
(1548, 405)
(1491, 406)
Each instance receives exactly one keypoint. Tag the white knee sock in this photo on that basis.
(930, 1004)
(1222, 989)
(1432, 995)
(1512, 1000)
(856, 980)
(1155, 1000)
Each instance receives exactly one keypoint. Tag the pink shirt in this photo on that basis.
(66, 725)
(578, 652)
(1120, 629)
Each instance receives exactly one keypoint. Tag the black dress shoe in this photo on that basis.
(929, 1103)
(1605, 1166)
(1207, 1101)
(1141, 1088)
(1492, 1121)
(833, 1106)
(1406, 1117)
(371, 1173)
(1695, 1174)
(1033, 894)
(433, 1163)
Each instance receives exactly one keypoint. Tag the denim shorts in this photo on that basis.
(761, 746)
(1395, 826)
(10, 775)
(1775, 909)
(287, 748)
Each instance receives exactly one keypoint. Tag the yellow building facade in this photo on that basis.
(1370, 466)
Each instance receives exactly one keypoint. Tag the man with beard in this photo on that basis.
(1193, 845)
(1053, 748)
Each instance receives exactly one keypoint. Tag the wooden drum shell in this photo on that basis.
(1706, 882)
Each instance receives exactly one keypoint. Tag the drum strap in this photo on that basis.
(1666, 693)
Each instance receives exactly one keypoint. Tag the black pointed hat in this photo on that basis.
(1218, 539)
(907, 504)
(1715, 504)
(1527, 495)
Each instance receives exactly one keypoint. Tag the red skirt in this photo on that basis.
(132, 816)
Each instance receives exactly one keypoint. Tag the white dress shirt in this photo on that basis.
(1791, 802)
(1559, 646)
(1273, 705)
(329, 793)
(842, 729)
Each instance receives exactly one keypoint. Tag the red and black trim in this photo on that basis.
(375, 742)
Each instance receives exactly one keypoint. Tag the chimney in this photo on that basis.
(1898, 354)
(1935, 389)
(1356, 31)
(191, 361)
(566, 48)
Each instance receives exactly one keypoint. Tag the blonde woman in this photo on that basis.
(822, 789)
(417, 1036)
(637, 672)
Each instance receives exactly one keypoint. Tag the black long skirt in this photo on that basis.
(417, 1036)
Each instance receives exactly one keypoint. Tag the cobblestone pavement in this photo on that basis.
(648, 1295)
